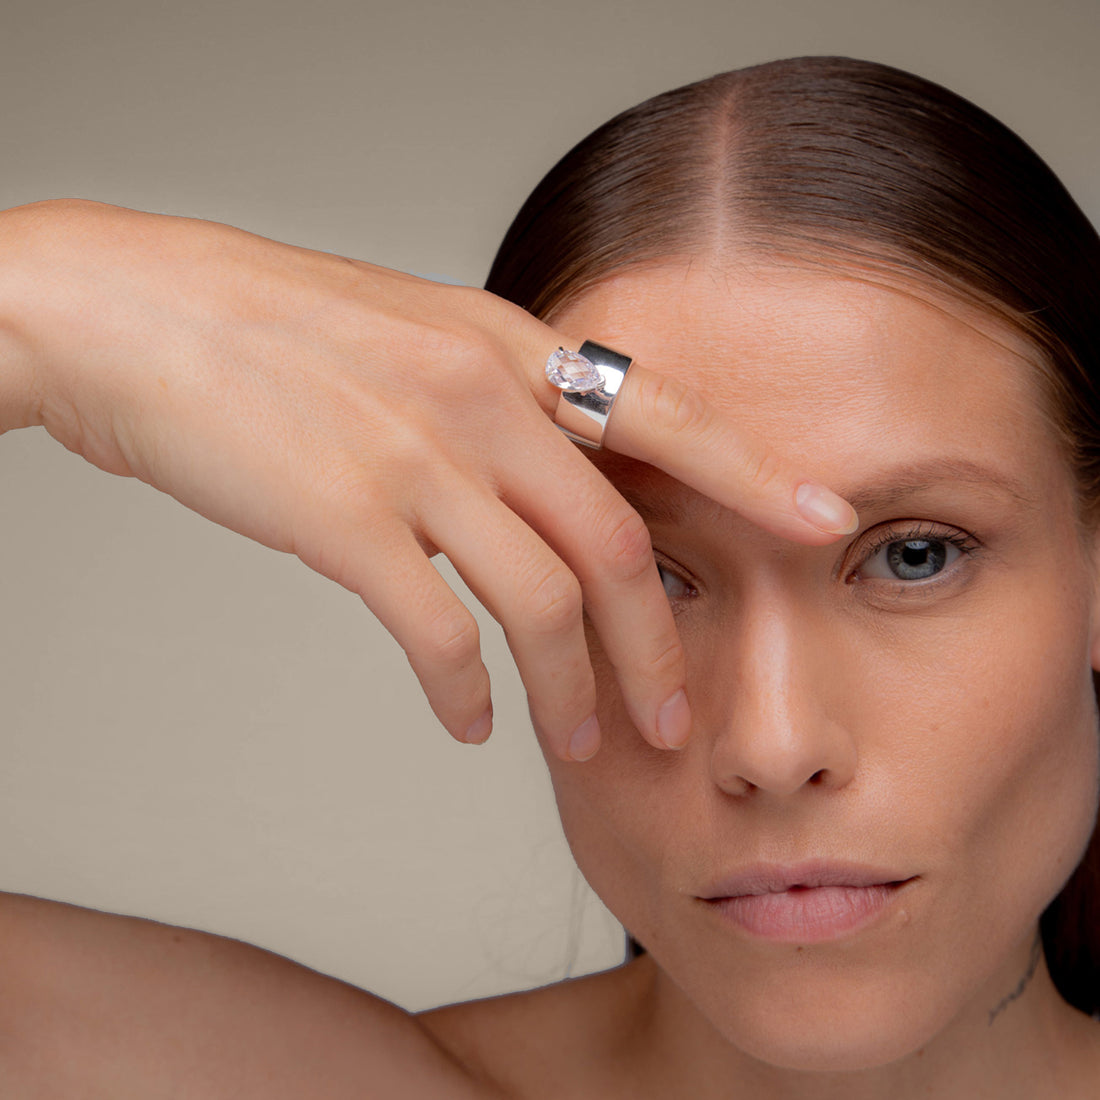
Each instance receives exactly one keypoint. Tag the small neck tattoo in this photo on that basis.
(1022, 984)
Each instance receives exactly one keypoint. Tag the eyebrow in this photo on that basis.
(668, 502)
(892, 485)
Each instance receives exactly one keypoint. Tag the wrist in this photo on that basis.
(24, 284)
(54, 256)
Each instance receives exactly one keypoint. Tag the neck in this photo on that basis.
(1015, 1039)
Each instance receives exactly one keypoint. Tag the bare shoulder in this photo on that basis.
(98, 1005)
(574, 1038)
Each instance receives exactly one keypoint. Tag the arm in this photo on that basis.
(256, 383)
(96, 1005)
(339, 411)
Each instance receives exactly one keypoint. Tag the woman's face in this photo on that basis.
(912, 706)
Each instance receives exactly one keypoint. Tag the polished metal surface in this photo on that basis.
(583, 416)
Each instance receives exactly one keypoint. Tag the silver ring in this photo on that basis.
(589, 381)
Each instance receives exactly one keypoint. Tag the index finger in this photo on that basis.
(661, 421)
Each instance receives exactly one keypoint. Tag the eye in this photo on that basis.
(676, 588)
(911, 559)
(912, 556)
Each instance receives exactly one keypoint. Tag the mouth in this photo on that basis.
(808, 903)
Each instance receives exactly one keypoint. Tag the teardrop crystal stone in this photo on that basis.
(573, 372)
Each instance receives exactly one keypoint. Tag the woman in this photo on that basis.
(835, 775)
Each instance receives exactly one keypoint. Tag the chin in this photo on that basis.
(845, 1006)
(840, 1043)
(832, 1026)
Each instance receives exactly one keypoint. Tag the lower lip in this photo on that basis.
(812, 914)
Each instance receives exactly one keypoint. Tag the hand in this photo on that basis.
(365, 420)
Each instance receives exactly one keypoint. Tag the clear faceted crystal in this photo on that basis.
(573, 372)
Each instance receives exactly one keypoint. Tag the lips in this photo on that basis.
(805, 903)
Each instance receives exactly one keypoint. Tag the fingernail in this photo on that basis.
(479, 732)
(585, 740)
(824, 509)
(674, 721)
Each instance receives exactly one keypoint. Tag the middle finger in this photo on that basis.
(607, 546)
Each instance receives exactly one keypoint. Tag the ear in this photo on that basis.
(1093, 548)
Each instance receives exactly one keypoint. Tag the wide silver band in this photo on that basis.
(583, 416)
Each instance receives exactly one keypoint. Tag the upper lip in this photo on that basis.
(774, 878)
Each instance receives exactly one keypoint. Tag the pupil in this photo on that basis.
(916, 559)
(915, 553)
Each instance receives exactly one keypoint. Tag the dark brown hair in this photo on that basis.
(853, 163)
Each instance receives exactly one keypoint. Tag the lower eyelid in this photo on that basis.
(882, 535)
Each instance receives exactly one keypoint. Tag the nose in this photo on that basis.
(776, 724)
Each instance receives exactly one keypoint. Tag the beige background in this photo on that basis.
(200, 730)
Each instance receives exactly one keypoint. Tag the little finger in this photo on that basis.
(438, 633)
(537, 600)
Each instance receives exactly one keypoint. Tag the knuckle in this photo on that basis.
(457, 355)
(764, 470)
(336, 550)
(675, 406)
(667, 663)
(453, 640)
(554, 602)
(458, 703)
(346, 482)
(629, 549)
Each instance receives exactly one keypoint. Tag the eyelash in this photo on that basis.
(882, 537)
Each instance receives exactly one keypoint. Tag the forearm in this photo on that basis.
(57, 310)
(24, 284)
(108, 314)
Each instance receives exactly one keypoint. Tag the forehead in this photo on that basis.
(835, 369)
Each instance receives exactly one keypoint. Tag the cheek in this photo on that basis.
(998, 717)
(617, 810)
(1009, 764)
(983, 745)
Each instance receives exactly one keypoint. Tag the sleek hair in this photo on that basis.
(850, 163)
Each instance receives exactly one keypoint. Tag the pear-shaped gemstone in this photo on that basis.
(573, 372)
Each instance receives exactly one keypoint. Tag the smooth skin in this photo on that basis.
(837, 712)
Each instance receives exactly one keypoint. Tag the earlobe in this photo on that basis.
(1094, 618)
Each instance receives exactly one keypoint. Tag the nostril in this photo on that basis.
(818, 777)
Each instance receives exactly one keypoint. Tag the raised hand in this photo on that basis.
(364, 420)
